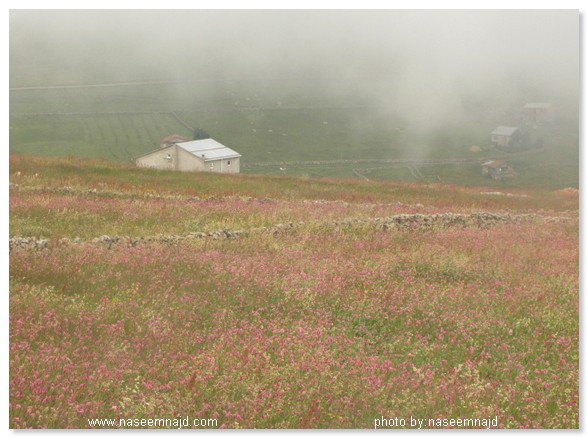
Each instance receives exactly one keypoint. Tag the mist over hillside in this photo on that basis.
(406, 55)
(294, 219)
(434, 72)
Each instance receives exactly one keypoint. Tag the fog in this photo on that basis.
(429, 65)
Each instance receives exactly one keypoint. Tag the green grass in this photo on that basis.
(324, 326)
(275, 125)
(55, 198)
(116, 137)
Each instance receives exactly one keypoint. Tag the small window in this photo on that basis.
(212, 165)
(229, 163)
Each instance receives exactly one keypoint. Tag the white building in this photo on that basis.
(505, 135)
(538, 113)
(206, 155)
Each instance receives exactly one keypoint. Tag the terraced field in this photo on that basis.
(281, 302)
(272, 125)
(119, 137)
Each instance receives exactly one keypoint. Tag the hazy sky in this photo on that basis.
(433, 56)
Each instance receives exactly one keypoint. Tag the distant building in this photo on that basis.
(538, 113)
(206, 155)
(171, 140)
(505, 135)
(497, 169)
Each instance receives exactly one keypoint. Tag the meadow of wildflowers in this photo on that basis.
(319, 326)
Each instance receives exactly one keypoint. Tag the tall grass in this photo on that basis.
(318, 326)
(284, 333)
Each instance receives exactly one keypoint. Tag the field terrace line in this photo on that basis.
(64, 190)
(401, 222)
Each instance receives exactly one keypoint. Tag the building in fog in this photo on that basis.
(538, 113)
(497, 169)
(505, 136)
(171, 140)
(206, 155)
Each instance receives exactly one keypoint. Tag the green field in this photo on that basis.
(270, 123)
(119, 138)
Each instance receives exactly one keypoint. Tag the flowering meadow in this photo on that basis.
(329, 324)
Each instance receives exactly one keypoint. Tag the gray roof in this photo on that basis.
(542, 105)
(505, 130)
(208, 149)
(493, 163)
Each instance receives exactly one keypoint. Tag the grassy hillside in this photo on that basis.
(269, 122)
(282, 302)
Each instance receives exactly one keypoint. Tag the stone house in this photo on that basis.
(538, 113)
(171, 140)
(497, 169)
(206, 155)
(505, 136)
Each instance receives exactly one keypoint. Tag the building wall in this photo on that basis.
(538, 115)
(159, 159)
(176, 158)
(227, 166)
(188, 162)
(497, 173)
(502, 140)
(224, 166)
